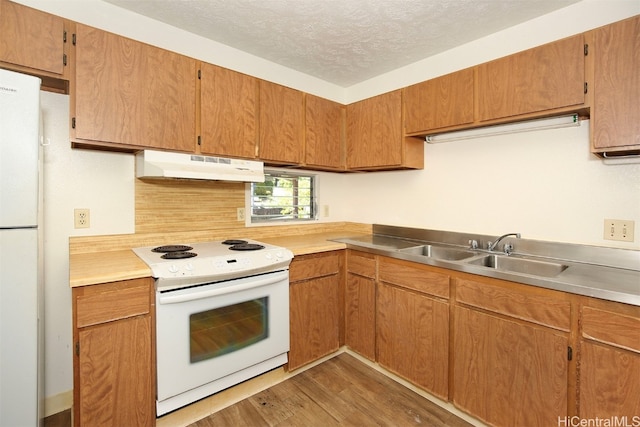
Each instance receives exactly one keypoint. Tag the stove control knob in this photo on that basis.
(269, 256)
(278, 254)
(173, 268)
(188, 267)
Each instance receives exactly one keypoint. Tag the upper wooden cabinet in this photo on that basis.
(32, 41)
(439, 103)
(281, 124)
(615, 115)
(129, 95)
(229, 112)
(545, 78)
(375, 138)
(324, 133)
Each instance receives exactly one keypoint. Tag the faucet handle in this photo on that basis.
(473, 244)
(508, 248)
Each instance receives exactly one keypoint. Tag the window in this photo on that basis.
(283, 196)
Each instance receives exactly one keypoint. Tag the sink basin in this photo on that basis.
(519, 265)
(439, 252)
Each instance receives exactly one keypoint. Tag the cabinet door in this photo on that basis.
(281, 124)
(229, 109)
(360, 315)
(374, 132)
(439, 103)
(609, 385)
(132, 94)
(544, 78)
(324, 129)
(413, 337)
(115, 386)
(31, 38)
(314, 320)
(509, 373)
(615, 115)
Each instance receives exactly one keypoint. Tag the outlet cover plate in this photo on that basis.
(81, 218)
(619, 229)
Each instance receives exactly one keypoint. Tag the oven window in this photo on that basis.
(227, 329)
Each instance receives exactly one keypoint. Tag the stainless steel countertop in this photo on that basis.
(605, 273)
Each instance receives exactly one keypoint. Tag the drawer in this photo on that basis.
(113, 301)
(317, 265)
(516, 301)
(361, 263)
(611, 328)
(413, 276)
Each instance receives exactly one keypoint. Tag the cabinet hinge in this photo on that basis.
(199, 140)
(569, 353)
(77, 348)
(586, 49)
(64, 59)
(199, 74)
(586, 87)
(64, 36)
(73, 123)
(73, 39)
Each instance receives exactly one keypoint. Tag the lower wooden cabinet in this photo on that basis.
(413, 337)
(412, 324)
(360, 304)
(314, 299)
(509, 373)
(510, 352)
(609, 372)
(114, 362)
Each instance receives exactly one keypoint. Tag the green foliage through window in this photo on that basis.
(283, 197)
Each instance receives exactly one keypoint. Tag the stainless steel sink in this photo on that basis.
(519, 265)
(439, 252)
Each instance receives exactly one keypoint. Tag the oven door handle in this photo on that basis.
(173, 298)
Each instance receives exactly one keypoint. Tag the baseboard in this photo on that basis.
(58, 403)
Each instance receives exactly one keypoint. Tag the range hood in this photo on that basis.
(165, 164)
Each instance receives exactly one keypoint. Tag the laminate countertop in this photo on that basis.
(110, 266)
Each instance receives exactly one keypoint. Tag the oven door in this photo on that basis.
(208, 332)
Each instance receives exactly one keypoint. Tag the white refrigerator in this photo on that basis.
(21, 258)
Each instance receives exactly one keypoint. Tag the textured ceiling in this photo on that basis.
(343, 41)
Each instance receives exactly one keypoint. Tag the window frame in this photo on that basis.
(285, 174)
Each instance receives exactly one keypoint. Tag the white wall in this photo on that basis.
(100, 181)
(544, 185)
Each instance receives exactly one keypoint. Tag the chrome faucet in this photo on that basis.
(507, 248)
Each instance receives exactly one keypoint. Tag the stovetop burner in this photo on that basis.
(190, 263)
(178, 255)
(172, 248)
(233, 242)
(246, 247)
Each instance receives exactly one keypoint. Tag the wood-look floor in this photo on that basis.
(341, 391)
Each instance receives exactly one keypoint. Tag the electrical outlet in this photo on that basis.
(619, 229)
(81, 218)
(240, 213)
(325, 210)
